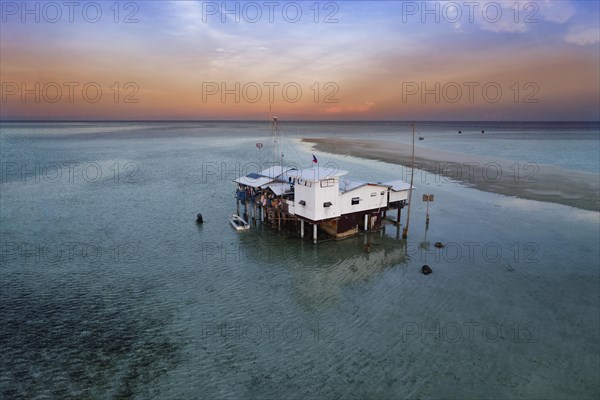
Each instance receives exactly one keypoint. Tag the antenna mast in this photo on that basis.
(412, 175)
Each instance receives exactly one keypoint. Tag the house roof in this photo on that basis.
(398, 185)
(316, 173)
(279, 188)
(347, 185)
(253, 180)
(275, 171)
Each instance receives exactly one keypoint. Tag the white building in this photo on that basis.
(323, 198)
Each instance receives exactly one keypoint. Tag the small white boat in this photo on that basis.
(238, 223)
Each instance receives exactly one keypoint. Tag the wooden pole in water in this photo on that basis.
(315, 233)
(280, 203)
(412, 175)
(302, 228)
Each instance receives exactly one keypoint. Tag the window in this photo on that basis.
(327, 204)
(302, 202)
(355, 200)
(328, 183)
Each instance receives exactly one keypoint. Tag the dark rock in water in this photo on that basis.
(482, 131)
(199, 219)
(426, 270)
(439, 245)
(459, 131)
(367, 248)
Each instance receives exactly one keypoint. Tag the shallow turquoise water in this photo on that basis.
(109, 288)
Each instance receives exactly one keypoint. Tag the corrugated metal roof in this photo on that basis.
(347, 185)
(279, 188)
(316, 173)
(254, 182)
(398, 185)
(275, 171)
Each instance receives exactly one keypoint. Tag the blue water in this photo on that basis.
(108, 289)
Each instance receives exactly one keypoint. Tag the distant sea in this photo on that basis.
(108, 288)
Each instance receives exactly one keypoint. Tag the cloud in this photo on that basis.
(583, 35)
(553, 11)
(515, 17)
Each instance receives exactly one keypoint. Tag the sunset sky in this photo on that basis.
(344, 60)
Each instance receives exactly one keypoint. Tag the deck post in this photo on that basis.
(315, 233)
(399, 215)
(366, 222)
(302, 229)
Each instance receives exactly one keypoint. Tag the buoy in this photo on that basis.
(426, 270)
(199, 219)
(482, 131)
(459, 131)
(439, 245)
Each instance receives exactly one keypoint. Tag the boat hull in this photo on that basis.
(238, 223)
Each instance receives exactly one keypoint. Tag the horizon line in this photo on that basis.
(291, 120)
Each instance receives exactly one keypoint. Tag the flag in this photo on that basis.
(315, 159)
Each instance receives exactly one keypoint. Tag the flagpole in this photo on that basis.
(412, 175)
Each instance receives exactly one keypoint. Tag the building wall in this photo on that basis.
(371, 198)
(398, 196)
(291, 206)
(315, 194)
